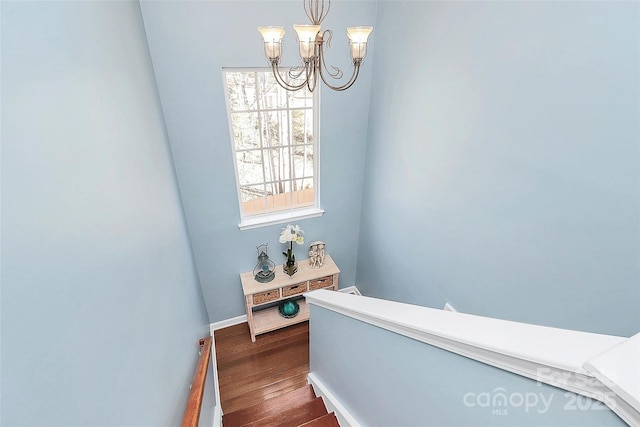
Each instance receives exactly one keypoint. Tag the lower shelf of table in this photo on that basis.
(269, 319)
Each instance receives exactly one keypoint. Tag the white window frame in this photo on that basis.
(283, 215)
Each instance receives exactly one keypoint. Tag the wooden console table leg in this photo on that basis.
(247, 303)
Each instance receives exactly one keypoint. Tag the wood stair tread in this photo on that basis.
(327, 420)
(294, 416)
(269, 407)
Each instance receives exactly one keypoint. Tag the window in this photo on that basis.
(274, 137)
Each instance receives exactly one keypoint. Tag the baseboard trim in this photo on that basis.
(350, 290)
(345, 419)
(217, 416)
(227, 322)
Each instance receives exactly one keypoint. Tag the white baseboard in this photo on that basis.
(227, 322)
(217, 416)
(345, 419)
(350, 290)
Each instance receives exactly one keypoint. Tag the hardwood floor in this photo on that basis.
(248, 373)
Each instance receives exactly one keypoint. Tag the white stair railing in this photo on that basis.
(602, 367)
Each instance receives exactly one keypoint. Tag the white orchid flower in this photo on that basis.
(287, 235)
(292, 233)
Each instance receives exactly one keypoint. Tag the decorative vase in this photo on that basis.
(290, 266)
(288, 309)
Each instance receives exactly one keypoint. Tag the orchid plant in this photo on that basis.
(290, 234)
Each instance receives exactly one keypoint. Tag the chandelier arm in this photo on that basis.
(336, 74)
(347, 85)
(281, 82)
(312, 72)
(295, 72)
(325, 40)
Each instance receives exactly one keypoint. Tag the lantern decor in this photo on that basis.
(265, 269)
(290, 234)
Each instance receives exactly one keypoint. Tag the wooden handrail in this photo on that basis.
(192, 410)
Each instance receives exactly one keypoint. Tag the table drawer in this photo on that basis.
(263, 297)
(321, 283)
(288, 291)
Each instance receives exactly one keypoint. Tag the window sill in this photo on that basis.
(279, 218)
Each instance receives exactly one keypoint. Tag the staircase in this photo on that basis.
(297, 408)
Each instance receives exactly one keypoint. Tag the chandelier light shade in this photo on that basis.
(312, 41)
(307, 39)
(272, 37)
(358, 38)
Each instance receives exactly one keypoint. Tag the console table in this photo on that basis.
(261, 299)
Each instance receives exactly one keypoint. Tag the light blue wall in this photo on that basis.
(503, 163)
(385, 379)
(101, 308)
(190, 42)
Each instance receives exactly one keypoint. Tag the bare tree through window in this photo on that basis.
(273, 133)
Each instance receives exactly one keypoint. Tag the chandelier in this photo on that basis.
(312, 42)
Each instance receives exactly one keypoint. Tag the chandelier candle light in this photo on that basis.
(312, 41)
(290, 234)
